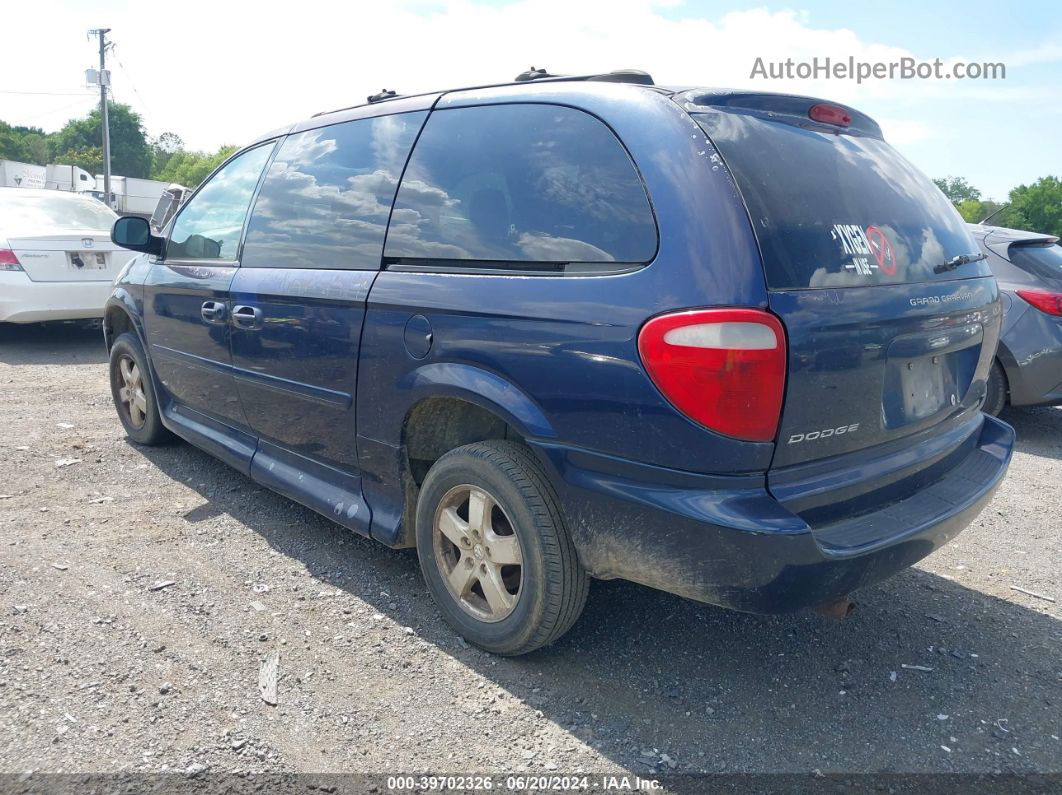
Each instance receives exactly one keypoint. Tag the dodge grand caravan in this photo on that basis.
(726, 344)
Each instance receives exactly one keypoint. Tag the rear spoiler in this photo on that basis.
(999, 243)
(788, 108)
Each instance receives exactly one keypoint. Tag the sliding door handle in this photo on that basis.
(248, 317)
(213, 312)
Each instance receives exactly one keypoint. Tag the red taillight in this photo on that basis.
(8, 260)
(1051, 303)
(723, 368)
(830, 114)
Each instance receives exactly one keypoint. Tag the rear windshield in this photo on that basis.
(23, 213)
(838, 210)
(1044, 261)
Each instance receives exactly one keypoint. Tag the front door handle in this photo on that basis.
(213, 312)
(249, 317)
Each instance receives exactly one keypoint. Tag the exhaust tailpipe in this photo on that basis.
(837, 608)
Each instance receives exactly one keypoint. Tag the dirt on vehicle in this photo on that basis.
(142, 589)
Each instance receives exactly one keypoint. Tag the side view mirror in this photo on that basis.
(134, 233)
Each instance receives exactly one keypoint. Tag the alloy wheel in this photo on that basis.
(478, 553)
(131, 391)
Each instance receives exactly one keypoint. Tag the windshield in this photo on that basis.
(1043, 260)
(838, 210)
(22, 213)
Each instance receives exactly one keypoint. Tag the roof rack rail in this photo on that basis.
(532, 74)
(635, 76)
(385, 93)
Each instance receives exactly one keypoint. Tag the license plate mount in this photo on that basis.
(87, 260)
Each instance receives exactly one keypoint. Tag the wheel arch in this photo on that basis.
(454, 405)
(119, 316)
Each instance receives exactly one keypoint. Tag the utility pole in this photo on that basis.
(104, 83)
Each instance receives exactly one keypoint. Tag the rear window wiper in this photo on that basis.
(962, 259)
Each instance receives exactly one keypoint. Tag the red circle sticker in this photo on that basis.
(881, 248)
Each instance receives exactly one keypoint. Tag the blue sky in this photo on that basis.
(256, 66)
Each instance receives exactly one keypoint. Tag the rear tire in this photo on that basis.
(494, 550)
(133, 393)
(996, 398)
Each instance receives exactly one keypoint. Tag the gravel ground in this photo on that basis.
(102, 671)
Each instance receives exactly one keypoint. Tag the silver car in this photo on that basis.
(1028, 366)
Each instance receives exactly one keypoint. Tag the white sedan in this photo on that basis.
(57, 260)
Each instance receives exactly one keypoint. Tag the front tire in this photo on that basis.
(996, 397)
(133, 393)
(494, 550)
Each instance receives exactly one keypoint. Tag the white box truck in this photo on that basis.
(14, 174)
(132, 195)
(71, 178)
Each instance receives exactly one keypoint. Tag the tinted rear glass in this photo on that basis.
(521, 183)
(1042, 261)
(838, 210)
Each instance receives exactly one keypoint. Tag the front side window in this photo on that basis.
(326, 197)
(210, 224)
(520, 183)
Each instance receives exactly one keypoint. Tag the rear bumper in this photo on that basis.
(729, 542)
(25, 301)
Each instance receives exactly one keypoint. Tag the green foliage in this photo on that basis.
(975, 210)
(191, 168)
(89, 158)
(79, 143)
(25, 144)
(1036, 207)
(130, 151)
(957, 189)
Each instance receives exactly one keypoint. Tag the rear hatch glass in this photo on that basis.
(890, 327)
(1038, 259)
(837, 210)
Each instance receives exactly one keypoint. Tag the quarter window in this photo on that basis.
(521, 183)
(209, 226)
(327, 194)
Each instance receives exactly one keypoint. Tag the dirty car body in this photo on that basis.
(338, 378)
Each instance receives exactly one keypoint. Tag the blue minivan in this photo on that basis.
(726, 344)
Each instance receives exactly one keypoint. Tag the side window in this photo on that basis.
(521, 183)
(326, 197)
(209, 226)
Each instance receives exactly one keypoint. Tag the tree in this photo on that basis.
(27, 144)
(975, 210)
(168, 142)
(162, 149)
(130, 151)
(1036, 207)
(957, 189)
(191, 168)
(89, 158)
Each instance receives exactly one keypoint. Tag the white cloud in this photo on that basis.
(224, 72)
(901, 132)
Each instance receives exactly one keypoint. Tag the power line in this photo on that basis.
(53, 111)
(114, 52)
(52, 93)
